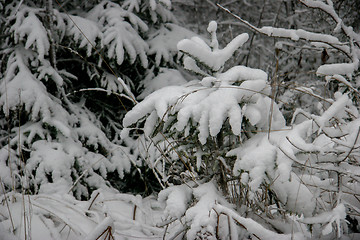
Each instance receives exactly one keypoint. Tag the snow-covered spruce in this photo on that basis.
(61, 118)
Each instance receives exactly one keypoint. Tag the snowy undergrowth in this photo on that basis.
(55, 216)
(125, 216)
(225, 126)
(229, 166)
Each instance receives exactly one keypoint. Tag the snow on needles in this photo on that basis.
(31, 27)
(177, 199)
(241, 90)
(212, 57)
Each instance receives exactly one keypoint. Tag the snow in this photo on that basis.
(255, 162)
(100, 229)
(51, 159)
(296, 139)
(132, 216)
(166, 77)
(252, 114)
(47, 70)
(212, 30)
(163, 42)
(297, 165)
(118, 36)
(5, 235)
(111, 83)
(255, 228)
(79, 26)
(31, 27)
(126, 89)
(197, 48)
(65, 130)
(201, 217)
(329, 9)
(177, 199)
(130, 5)
(159, 100)
(241, 73)
(203, 127)
(250, 88)
(23, 87)
(153, 4)
(212, 27)
(341, 79)
(166, 2)
(295, 195)
(334, 216)
(337, 68)
(200, 102)
(150, 122)
(190, 65)
(235, 119)
(6, 176)
(336, 108)
(298, 34)
(262, 159)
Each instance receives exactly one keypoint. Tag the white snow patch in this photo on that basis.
(177, 199)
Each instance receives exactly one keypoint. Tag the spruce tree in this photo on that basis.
(69, 72)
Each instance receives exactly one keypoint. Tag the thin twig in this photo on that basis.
(253, 34)
(92, 202)
(134, 212)
(102, 90)
(7, 204)
(353, 146)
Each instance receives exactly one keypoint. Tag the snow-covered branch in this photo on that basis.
(295, 35)
(329, 9)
